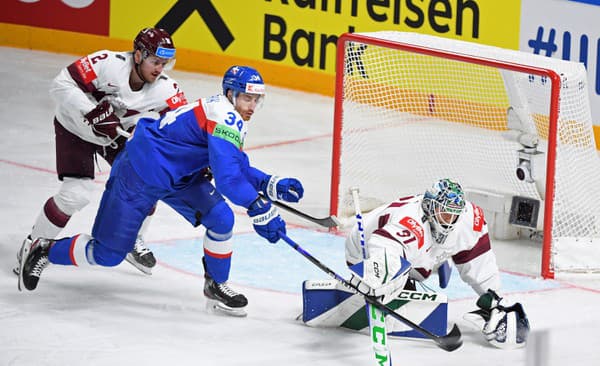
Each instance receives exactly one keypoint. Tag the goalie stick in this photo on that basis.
(329, 221)
(448, 342)
(376, 316)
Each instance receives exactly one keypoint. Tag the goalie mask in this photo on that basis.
(443, 203)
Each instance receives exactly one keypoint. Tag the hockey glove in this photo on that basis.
(505, 327)
(286, 189)
(266, 220)
(103, 120)
(383, 275)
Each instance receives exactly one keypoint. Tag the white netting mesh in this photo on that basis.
(409, 119)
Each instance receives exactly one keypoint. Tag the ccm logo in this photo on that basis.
(376, 270)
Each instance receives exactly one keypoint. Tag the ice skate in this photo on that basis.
(27, 241)
(141, 257)
(34, 258)
(221, 298)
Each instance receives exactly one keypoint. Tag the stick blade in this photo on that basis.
(450, 341)
(329, 222)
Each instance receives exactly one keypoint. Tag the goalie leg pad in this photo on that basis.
(327, 303)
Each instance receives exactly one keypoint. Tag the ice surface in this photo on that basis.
(118, 316)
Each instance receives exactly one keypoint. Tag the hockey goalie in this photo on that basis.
(404, 242)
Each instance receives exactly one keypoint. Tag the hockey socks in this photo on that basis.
(217, 256)
(72, 251)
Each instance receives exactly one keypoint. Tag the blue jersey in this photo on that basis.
(168, 152)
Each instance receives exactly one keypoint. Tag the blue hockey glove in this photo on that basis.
(266, 220)
(286, 189)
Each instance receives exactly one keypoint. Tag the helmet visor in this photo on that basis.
(164, 57)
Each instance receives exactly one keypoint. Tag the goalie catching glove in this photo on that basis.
(505, 327)
(382, 275)
(282, 189)
(103, 120)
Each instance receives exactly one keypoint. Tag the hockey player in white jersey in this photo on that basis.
(427, 230)
(95, 96)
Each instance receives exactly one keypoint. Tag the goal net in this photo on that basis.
(513, 128)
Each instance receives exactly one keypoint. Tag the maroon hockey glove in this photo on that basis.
(103, 120)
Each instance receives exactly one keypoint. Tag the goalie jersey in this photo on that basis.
(170, 152)
(79, 87)
(402, 226)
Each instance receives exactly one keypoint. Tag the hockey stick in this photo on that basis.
(329, 221)
(376, 316)
(123, 133)
(448, 342)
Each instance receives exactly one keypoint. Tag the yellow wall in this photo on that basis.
(292, 42)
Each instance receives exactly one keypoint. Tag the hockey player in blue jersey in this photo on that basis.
(169, 159)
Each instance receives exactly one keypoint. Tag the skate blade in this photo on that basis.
(139, 266)
(216, 307)
(24, 255)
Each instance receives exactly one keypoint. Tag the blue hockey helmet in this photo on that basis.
(243, 79)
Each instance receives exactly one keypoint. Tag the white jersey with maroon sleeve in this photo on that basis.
(79, 87)
(401, 226)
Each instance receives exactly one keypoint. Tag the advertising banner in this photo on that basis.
(303, 33)
(567, 30)
(84, 16)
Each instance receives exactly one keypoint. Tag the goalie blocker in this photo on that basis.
(326, 303)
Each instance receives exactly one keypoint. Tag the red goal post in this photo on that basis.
(513, 128)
